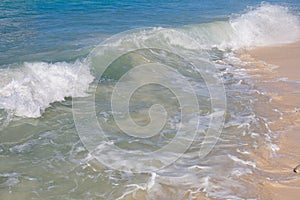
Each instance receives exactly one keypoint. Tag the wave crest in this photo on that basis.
(27, 91)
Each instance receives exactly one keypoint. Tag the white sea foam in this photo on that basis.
(28, 90)
(262, 26)
(266, 25)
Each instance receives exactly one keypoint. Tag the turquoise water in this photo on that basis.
(68, 70)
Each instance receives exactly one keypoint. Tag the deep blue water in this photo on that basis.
(36, 30)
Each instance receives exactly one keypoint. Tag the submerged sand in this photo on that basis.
(285, 98)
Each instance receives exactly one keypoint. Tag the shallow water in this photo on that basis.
(58, 87)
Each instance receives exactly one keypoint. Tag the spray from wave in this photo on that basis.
(28, 90)
(262, 26)
(266, 25)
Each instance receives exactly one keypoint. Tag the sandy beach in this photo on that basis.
(285, 98)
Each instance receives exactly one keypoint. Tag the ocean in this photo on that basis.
(134, 99)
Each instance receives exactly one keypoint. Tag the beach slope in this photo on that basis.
(287, 58)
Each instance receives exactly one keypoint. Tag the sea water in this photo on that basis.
(133, 100)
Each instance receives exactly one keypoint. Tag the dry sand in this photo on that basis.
(283, 182)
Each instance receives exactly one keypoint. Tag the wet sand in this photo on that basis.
(266, 65)
(287, 57)
(281, 182)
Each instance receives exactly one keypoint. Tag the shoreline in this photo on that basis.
(285, 98)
